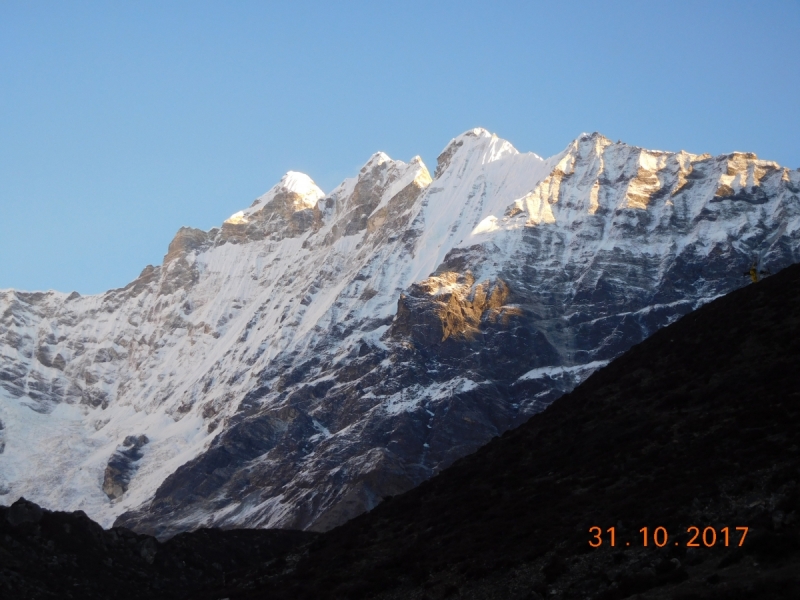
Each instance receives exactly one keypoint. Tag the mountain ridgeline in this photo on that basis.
(319, 352)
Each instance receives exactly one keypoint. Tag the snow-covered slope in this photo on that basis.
(318, 352)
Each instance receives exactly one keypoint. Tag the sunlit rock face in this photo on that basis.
(319, 352)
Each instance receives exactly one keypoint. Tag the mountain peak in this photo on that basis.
(478, 142)
(595, 140)
(293, 183)
(375, 160)
(477, 132)
(298, 183)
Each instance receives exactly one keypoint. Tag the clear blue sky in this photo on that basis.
(122, 121)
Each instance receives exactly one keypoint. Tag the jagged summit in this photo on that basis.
(376, 159)
(301, 184)
(305, 194)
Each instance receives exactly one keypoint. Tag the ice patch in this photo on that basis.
(557, 371)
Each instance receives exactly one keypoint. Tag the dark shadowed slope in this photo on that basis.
(697, 426)
(60, 555)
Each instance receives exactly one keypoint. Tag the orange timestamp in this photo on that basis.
(708, 537)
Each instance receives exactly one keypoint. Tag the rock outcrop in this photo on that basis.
(122, 465)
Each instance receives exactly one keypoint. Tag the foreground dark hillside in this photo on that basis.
(697, 426)
(59, 555)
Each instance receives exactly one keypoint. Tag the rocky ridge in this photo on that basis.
(319, 352)
(46, 554)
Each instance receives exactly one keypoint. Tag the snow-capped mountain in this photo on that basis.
(319, 352)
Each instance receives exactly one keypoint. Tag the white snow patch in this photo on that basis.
(555, 371)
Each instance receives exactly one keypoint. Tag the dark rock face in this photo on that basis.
(122, 465)
(285, 215)
(22, 512)
(465, 326)
(186, 241)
